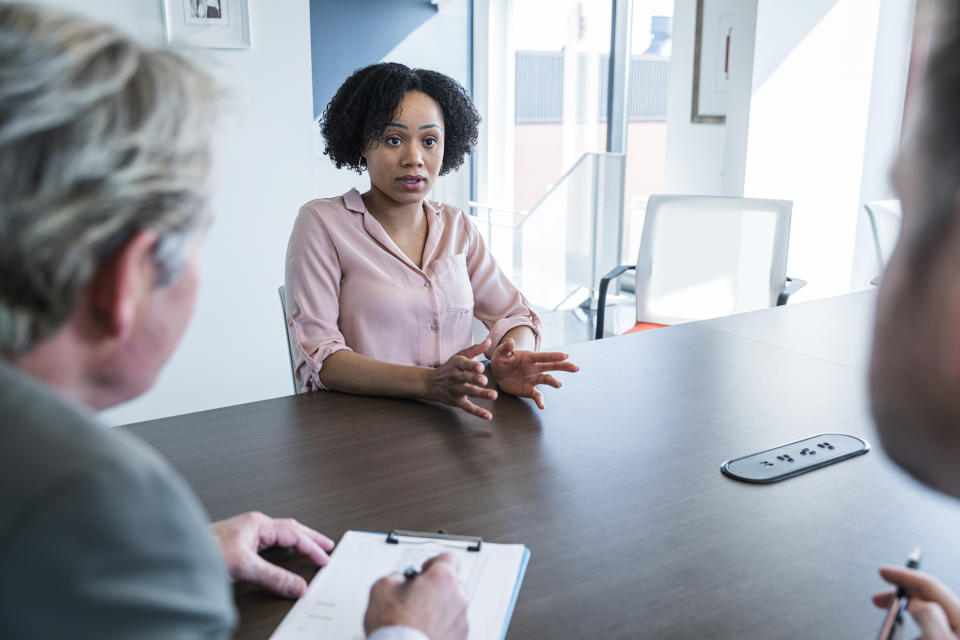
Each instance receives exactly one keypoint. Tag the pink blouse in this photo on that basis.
(349, 286)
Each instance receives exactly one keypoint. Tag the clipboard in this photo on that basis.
(398, 536)
(336, 599)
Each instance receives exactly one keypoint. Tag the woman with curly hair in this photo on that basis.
(382, 286)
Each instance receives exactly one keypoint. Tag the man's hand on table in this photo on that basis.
(242, 537)
(433, 602)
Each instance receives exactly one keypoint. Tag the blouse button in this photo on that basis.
(428, 284)
(433, 327)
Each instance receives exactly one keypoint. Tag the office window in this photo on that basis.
(544, 66)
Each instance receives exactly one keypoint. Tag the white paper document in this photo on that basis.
(336, 600)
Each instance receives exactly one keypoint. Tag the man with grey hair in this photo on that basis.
(915, 371)
(103, 154)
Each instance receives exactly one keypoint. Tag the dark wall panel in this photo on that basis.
(347, 35)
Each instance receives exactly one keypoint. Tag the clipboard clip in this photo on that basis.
(472, 543)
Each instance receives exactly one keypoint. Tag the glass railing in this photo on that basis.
(556, 252)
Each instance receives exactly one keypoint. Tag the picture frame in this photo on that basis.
(711, 61)
(213, 24)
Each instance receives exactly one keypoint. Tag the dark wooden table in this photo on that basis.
(615, 487)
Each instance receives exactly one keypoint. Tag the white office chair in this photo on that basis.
(886, 218)
(286, 331)
(704, 257)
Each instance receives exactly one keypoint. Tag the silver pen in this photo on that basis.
(891, 624)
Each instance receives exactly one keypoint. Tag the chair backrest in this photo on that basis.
(886, 218)
(704, 256)
(286, 331)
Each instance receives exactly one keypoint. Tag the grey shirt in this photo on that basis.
(99, 537)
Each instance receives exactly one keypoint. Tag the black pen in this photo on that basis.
(891, 624)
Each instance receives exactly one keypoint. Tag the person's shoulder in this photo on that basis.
(329, 216)
(45, 437)
(333, 207)
(324, 206)
(446, 210)
(53, 435)
(451, 214)
(100, 503)
(55, 443)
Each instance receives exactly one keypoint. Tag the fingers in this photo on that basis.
(322, 541)
(479, 392)
(287, 532)
(548, 380)
(931, 618)
(447, 558)
(469, 407)
(558, 366)
(551, 356)
(504, 351)
(926, 587)
(507, 347)
(538, 398)
(470, 377)
(475, 350)
(270, 576)
(464, 363)
(883, 600)
(242, 537)
(325, 543)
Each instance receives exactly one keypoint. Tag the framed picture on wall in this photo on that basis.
(215, 24)
(711, 60)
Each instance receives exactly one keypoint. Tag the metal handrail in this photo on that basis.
(520, 217)
(516, 214)
(556, 185)
(480, 205)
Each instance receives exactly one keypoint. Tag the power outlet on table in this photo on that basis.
(792, 459)
(806, 451)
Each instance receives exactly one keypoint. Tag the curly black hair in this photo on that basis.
(367, 101)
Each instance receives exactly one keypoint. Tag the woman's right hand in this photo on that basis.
(459, 379)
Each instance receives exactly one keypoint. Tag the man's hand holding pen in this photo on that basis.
(934, 607)
(432, 600)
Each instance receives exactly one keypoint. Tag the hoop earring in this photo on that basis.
(362, 163)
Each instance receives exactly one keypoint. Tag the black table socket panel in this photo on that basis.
(789, 460)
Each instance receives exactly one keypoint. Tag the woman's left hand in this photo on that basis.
(519, 372)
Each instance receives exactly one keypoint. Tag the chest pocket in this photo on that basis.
(454, 282)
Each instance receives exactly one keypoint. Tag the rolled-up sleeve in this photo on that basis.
(497, 303)
(312, 298)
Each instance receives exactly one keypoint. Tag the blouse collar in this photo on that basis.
(354, 202)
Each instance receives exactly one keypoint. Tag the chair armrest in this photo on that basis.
(793, 285)
(602, 294)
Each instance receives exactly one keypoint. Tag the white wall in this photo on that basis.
(817, 121)
(695, 151)
(814, 107)
(813, 97)
(813, 66)
(740, 92)
(234, 350)
(887, 97)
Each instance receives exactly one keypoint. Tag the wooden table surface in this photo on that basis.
(615, 487)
